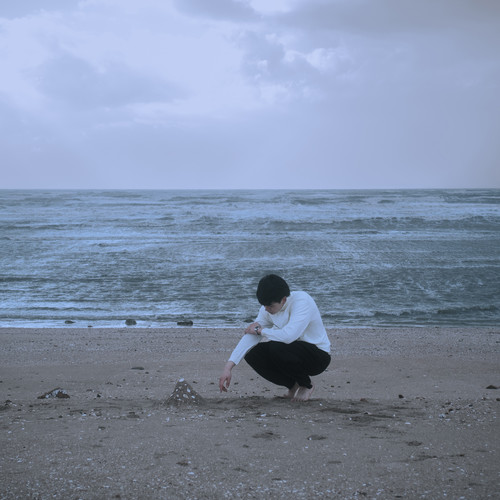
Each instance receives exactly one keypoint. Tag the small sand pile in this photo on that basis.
(55, 393)
(184, 394)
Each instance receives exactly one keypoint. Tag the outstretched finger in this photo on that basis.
(223, 384)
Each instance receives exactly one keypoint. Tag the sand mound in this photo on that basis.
(55, 393)
(184, 394)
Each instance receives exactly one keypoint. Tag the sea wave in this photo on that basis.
(370, 257)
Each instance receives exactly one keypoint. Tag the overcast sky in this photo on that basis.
(249, 93)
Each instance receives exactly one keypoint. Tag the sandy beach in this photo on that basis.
(400, 413)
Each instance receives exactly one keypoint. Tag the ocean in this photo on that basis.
(370, 258)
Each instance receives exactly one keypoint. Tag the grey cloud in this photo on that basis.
(217, 9)
(393, 16)
(23, 8)
(392, 41)
(441, 29)
(76, 83)
(264, 57)
(314, 68)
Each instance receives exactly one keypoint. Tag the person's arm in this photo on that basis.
(300, 317)
(244, 345)
(225, 378)
(252, 336)
(264, 318)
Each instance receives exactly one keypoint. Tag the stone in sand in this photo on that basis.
(184, 394)
(6, 405)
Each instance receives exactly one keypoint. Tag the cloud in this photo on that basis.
(101, 55)
(386, 17)
(16, 9)
(400, 37)
(234, 10)
(77, 83)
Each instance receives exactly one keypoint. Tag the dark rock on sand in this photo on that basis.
(316, 437)
(55, 393)
(6, 405)
(266, 435)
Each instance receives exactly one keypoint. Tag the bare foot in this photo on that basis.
(303, 394)
(291, 392)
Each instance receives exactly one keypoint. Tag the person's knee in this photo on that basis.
(276, 349)
(320, 365)
(284, 357)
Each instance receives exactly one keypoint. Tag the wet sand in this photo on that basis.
(400, 413)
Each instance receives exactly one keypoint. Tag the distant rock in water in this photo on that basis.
(69, 322)
(248, 320)
(185, 322)
(184, 394)
(130, 322)
(55, 393)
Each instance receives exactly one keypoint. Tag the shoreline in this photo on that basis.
(412, 414)
(197, 324)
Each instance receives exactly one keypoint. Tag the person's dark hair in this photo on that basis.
(271, 289)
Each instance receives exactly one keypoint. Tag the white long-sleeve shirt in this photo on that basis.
(298, 319)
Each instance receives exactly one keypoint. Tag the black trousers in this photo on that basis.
(288, 364)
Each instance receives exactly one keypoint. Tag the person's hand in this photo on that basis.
(254, 328)
(225, 378)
